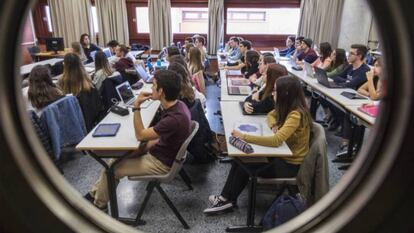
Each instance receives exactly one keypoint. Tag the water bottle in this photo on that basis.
(150, 68)
(221, 47)
(158, 63)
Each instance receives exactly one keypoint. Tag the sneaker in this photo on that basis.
(218, 206)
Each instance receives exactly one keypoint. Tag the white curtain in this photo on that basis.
(70, 19)
(215, 25)
(160, 23)
(112, 21)
(321, 20)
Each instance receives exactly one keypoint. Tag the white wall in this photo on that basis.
(355, 24)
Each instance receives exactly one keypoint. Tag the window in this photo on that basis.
(189, 20)
(95, 20)
(142, 19)
(49, 20)
(263, 20)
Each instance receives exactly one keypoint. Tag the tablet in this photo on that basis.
(106, 130)
(351, 95)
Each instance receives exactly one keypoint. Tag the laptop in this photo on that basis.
(93, 53)
(125, 93)
(276, 53)
(322, 78)
(142, 73)
(309, 70)
(293, 63)
(107, 52)
(241, 90)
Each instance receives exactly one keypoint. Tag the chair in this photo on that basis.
(154, 181)
(312, 179)
(33, 51)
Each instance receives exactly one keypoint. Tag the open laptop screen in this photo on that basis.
(124, 91)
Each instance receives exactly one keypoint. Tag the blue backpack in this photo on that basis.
(282, 210)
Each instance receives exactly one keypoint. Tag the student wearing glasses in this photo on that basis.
(290, 122)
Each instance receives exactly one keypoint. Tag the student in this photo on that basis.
(290, 47)
(245, 46)
(339, 62)
(102, 70)
(291, 123)
(199, 42)
(164, 139)
(112, 46)
(42, 91)
(370, 88)
(78, 50)
(234, 53)
(262, 101)
(187, 51)
(324, 61)
(187, 95)
(77, 82)
(194, 61)
(263, 65)
(308, 54)
(171, 51)
(88, 47)
(252, 63)
(298, 46)
(354, 75)
(124, 62)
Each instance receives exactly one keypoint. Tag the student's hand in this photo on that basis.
(274, 129)
(253, 78)
(248, 107)
(143, 96)
(236, 134)
(255, 96)
(370, 75)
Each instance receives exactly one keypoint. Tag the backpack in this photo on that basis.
(282, 210)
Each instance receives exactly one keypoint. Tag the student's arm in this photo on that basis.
(363, 90)
(263, 106)
(291, 124)
(141, 133)
(341, 77)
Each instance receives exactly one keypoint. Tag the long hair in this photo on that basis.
(340, 58)
(252, 58)
(78, 49)
(325, 49)
(42, 91)
(187, 50)
(74, 79)
(187, 91)
(194, 63)
(101, 62)
(290, 97)
(274, 71)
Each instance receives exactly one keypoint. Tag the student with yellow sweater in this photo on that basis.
(290, 123)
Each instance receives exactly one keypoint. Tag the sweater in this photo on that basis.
(353, 78)
(296, 136)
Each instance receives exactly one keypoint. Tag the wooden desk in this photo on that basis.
(26, 69)
(48, 55)
(231, 113)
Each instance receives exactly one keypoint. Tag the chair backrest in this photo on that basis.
(178, 162)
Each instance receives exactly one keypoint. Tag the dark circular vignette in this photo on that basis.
(376, 194)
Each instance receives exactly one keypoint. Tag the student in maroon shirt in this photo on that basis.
(309, 55)
(163, 139)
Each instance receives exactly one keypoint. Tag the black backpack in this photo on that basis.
(282, 210)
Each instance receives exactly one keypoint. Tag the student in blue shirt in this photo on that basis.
(290, 47)
(88, 47)
(234, 53)
(355, 74)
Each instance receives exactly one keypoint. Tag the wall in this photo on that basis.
(28, 40)
(355, 24)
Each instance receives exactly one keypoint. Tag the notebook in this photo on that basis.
(238, 82)
(106, 130)
(239, 90)
(370, 109)
(248, 128)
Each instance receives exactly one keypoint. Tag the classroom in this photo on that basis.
(202, 115)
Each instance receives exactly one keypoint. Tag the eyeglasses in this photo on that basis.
(352, 53)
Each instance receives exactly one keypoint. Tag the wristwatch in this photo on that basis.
(136, 109)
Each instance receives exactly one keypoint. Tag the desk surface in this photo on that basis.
(26, 69)
(232, 114)
(125, 138)
(363, 116)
